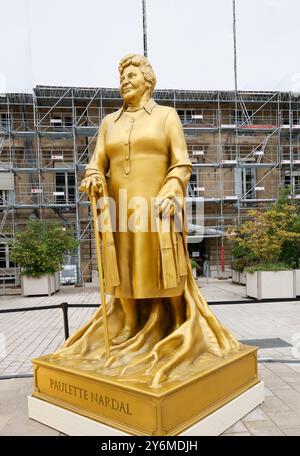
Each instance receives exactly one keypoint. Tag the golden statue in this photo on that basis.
(163, 320)
(165, 344)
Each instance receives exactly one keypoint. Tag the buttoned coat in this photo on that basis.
(146, 157)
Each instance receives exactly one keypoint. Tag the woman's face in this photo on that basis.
(132, 84)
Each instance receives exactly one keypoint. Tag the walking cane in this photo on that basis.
(93, 199)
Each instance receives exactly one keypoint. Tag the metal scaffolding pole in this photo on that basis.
(145, 40)
(291, 145)
(235, 48)
(77, 197)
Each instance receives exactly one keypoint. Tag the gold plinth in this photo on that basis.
(138, 409)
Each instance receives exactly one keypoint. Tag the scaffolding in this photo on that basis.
(243, 146)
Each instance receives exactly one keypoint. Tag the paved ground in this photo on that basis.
(26, 335)
(31, 334)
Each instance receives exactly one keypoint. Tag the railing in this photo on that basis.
(57, 158)
(45, 195)
(49, 195)
(62, 117)
(64, 306)
(206, 154)
(265, 152)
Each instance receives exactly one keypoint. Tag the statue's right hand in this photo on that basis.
(91, 185)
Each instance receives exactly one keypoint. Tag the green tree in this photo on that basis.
(40, 247)
(269, 239)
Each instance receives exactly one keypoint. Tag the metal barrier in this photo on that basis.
(64, 306)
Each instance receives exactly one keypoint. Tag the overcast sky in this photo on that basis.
(190, 43)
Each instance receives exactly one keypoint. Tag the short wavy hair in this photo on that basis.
(143, 64)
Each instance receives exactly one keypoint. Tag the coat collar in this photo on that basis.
(149, 106)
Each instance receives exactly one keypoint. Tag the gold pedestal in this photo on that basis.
(138, 409)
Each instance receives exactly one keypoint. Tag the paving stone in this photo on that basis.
(296, 386)
(238, 434)
(286, 373)
(285, 420)
(27, 427)
(263, 428)
(256, 415)
(3, 421)
(268, 392)
(290, 397)
(292, 432)
(276, 384)
(237, 427)
(274, 404)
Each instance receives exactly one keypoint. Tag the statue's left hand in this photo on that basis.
(164, 206)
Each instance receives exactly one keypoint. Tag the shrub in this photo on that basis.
(269, 238)
(39, 249)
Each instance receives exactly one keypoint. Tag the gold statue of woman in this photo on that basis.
(160, 326)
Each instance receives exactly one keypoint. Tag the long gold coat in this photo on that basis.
(146, 155)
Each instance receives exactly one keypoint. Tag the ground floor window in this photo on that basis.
(292, 180)
(4, 256)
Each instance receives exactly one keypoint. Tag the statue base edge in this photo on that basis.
(137, 409)
(215, 424)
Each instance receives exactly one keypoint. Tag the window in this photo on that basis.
(71, 187)
(186, 115)
(181, 114)
(3, 199)
(296, 117)
(293, 181)
(60, 187)
(59, 120)
(296, 185)
(248, 183)
(4, 256)
(285, 116)
(287, 154)
(193, 180)
(56, 121)
(296, 153)
(65, 188)
(68, 122)
(5, 120)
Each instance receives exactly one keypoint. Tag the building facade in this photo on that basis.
(244, 146)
